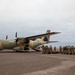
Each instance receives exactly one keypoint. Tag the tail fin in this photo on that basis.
(47, 38)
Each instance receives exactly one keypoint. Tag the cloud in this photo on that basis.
(30, 17)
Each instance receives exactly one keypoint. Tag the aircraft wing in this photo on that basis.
(37, 36)
(42, 35)
(22, 39)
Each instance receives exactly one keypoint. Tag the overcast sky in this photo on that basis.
(30, 17)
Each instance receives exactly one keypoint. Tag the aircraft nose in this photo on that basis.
(0, 46)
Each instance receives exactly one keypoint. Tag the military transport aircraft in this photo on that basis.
(26, 43)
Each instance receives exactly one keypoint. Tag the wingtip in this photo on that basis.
(58, 32)
(55, 32)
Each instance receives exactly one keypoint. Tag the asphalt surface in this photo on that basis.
(36, 63)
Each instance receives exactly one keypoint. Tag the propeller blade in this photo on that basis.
(16, 34)
(16, 40)
(6, 37)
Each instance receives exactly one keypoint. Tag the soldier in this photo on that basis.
(64, 48)
(60, 48)
(50, 49)
(54, 49)
(47, 50)
(72, 49)
(68, 48)
(42, 46)
(43, 49)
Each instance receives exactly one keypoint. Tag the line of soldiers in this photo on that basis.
(62, 50)
(67, 49)
(48, 50)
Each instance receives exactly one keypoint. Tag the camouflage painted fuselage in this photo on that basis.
(11, 44)
(7, 44)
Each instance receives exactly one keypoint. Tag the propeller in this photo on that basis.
(6, 37)
(16, 34)
(16, 40)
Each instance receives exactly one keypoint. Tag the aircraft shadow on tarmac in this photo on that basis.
(11, 51)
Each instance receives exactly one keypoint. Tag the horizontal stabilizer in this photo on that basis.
(52, 41)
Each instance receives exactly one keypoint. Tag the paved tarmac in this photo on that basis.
(36, 63)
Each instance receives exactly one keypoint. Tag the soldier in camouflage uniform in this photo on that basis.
(68, 48)
(54, 49)
(72, 50)
(64, 49)
(61, 49)
(50, 49)
(47, 50)
(43, 49)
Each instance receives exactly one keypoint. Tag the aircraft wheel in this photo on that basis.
(17, 51)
